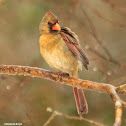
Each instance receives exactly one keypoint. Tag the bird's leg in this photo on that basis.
(63, 74)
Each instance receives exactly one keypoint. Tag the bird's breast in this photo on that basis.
(57, 54)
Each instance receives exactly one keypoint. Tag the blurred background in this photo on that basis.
(101, 27)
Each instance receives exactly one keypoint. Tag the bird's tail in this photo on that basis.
(81, 103)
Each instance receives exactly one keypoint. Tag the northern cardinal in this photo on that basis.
(60, 48)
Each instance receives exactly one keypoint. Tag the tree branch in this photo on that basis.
(118, 113)
(64, 79)
(56, 113)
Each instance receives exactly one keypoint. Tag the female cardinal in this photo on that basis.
(60, 48)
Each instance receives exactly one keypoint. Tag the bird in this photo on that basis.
(60, 48)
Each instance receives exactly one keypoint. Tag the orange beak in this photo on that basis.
(56, 27)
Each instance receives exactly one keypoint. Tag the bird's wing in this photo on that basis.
(71, 40)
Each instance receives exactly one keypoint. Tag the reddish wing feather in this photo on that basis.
(73, 45)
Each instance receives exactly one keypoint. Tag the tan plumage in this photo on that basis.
(61, 50)
(57, 54)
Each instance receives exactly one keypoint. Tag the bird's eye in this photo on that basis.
(58, 21)
(49, 23)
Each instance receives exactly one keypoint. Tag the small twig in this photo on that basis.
(63, 79)
(56, 113)
(121, 26)
(121, 88)
(115, 6)
(50, 119)
(98, 54)
(99, 15)
(94, 34)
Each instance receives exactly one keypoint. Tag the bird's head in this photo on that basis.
(49, 24)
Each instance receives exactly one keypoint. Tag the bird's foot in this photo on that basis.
(63, 74)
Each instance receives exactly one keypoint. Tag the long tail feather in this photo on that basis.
(81, 103)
